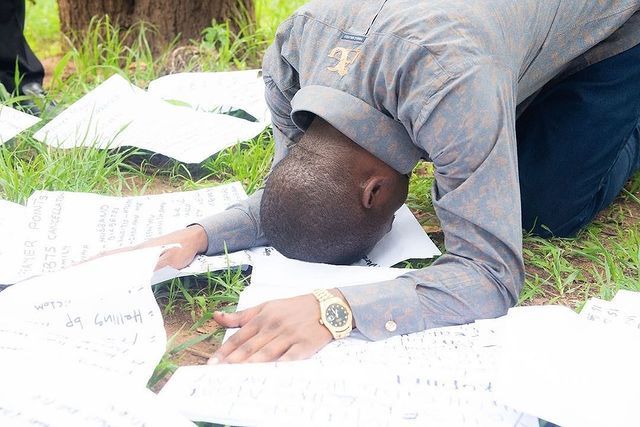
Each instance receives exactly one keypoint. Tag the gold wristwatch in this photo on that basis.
(335, 315)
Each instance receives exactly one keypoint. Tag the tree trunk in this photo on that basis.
(171, 18)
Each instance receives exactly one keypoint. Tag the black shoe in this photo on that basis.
(34, 100)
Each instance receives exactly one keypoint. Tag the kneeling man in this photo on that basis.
(529, 111)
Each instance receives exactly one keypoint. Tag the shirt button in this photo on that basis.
(390, 326)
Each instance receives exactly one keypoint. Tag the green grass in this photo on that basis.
(248, 162)
(28, 165)
(42, 28)
(270, 13)
(202, 295)
(600, 260)
(603, 258)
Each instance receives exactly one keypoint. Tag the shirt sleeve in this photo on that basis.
(238, 227)
(468, 129)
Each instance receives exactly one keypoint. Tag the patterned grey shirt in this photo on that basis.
(437, 79)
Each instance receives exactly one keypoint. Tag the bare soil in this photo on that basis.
(178, 326)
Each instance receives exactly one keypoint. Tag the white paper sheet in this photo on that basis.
(569, 370)
(223, 91)
(466, 352)
(64, 228)
(78, 346)
(117, 114)
(627, 300)
(67, 400)
(11, 214)
(100, 315)
(275, 270)
(31, 344)
(438, 377)
(275, 276)
(608, 312)
(12, 228)
(12, 122)
(406, 240)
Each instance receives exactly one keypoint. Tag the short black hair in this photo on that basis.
(311, 208)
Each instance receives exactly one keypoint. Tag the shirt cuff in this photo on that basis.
(384, 309)
(231, 230)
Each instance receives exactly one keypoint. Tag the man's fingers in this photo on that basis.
(262, 347)
(164, 261)
(234, 341)
(177, 257)
(237, 319)
(297, 351)
(240, 337)
(272, 351)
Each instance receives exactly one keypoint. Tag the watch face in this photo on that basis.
(336, 315)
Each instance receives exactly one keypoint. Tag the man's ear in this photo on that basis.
(371, 192)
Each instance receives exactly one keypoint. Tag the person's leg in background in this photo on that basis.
(578, 144)
(15, 53)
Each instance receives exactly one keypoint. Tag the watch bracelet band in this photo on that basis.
(322, 294)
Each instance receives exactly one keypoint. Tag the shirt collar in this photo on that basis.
(382, 136)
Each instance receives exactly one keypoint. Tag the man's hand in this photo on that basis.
(285, 329)
(192, 241)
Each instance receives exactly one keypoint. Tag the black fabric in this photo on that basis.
(14, 48)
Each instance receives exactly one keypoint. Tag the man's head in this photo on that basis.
(329, 200)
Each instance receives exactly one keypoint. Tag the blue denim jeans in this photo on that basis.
(578, 144)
